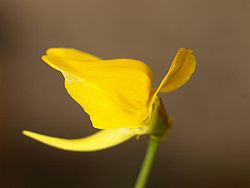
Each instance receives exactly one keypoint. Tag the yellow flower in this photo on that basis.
(117, 94)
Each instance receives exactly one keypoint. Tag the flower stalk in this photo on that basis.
(161, 125)
(147, 164)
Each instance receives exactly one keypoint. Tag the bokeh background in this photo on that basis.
(209, 143)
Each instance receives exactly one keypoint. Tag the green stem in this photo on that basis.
(142, 178)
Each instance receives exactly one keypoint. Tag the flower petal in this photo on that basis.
(113, 92)
(180, 71)
(71, 53)
(98, 141)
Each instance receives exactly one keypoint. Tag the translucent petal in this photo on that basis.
(101, 140)
(113, 92)
(180, 71)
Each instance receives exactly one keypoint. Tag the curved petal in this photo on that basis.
(180, 71)
(98, 141)
(71, 53)
(113, 92)
(68, 54)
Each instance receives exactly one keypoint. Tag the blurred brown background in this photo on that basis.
(209, 143)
